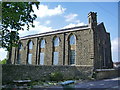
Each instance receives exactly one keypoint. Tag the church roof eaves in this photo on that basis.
(57, 31)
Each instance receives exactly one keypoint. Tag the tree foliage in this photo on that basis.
(15, 15)
(3, 61)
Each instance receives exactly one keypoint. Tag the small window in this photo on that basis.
(42, 44)
(55, 58)
(20, 46)
(30, 59)
(56, 42)
(30, 45)
(72, 40)
(41, 58)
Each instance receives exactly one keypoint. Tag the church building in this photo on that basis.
(87, 45)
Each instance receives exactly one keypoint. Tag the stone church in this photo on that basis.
(87, 45)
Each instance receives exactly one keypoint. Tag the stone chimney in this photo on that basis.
(92, 19)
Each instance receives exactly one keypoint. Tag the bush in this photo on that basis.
(56, 76)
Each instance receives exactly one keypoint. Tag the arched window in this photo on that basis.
(42, 51)
(42, 44)
(30, 45)
(72, 49)
(56, 41)
(55, 50)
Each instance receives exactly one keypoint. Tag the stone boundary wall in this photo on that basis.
(36, 72)
(107, 73)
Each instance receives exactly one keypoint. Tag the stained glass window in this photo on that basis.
(72, 56)
(72, 49)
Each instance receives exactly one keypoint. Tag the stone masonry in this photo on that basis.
(93, 46)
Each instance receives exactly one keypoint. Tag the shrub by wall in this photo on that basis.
(36, 72)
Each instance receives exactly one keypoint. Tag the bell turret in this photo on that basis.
(92, 19)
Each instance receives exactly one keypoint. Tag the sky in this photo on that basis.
(58, 15)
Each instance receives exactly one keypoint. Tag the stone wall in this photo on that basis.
(92, 47)
(107, 73)
(35, 72)
(102, 48)
(84, 48)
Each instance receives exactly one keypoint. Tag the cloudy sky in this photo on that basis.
(57, 15)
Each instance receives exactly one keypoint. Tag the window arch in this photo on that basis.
(56, 41)
(30, 45)
(72, 39)
(72, 49)
(42, 43)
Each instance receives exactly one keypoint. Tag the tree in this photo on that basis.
(3, 61)
(15, 15)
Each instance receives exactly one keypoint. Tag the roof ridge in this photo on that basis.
(57, 30)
